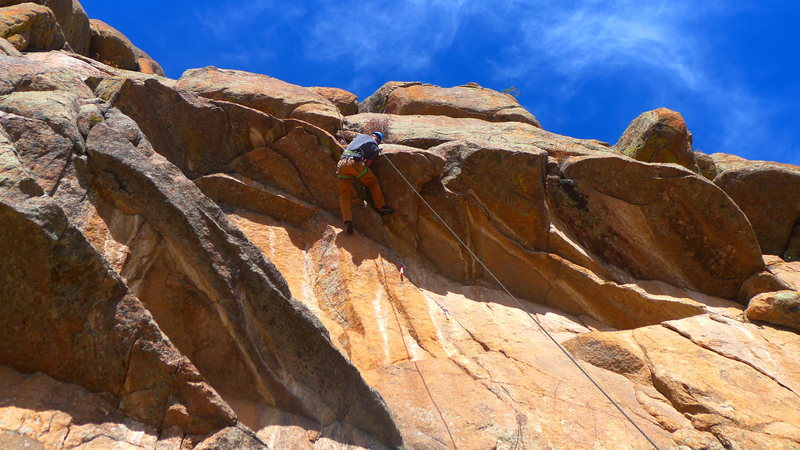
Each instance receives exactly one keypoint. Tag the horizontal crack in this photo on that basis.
(731, 357)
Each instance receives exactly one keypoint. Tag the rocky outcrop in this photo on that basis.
(246, 316)
(787, 272)
(778, 299)
(767, 194)
(467, 101)
(706, 165)
(7, 49)
(429, 131)
(657, 222)
(658, 136)
(111, 47)
(733, 381)
(345, 101)
(263, 93)
(31, 27)
(779, 308)
(168, 288)
(95, 164)
(233, 129)
(66, 314)
(70, 16)
(39, 410)
(294, 155)
(761, 282)
(90, 71)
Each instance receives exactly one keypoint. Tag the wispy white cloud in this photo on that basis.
(404, 34)
(224, 20)
(578, 40)
(661, 44)
(232, 20)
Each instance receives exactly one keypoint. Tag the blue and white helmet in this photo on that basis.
(379, 135)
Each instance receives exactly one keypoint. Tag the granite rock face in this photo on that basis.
(68, 315)
(106, 205)
(768, 195)
(657, 222)
(469, 100)
(174, 272)
(263, 93)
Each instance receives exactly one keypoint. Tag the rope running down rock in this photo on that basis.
(534, 319)
(392, 300)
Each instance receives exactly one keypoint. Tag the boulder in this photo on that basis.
(767, 193)
(36, 76)
(787, 272)
(148, 65)
(470, 100)
(263, 93)
(721, 162)
(111, 47)
(658, 136)
(7, 49)
(761, 282)
(779, 308)
(289, 154)
(90, 71)
(706, 165)
(31, 27)
(429, 131)
(170, 119)
(658, 222)
(345, 101)
(72, 18)
(507, 185)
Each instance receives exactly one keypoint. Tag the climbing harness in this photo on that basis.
(534, 319)
(347, 177)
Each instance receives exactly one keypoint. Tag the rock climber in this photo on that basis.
(354, 164)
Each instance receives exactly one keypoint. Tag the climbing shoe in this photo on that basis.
(349, 226)
(385, 210)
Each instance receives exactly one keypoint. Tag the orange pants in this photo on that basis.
(349, 169)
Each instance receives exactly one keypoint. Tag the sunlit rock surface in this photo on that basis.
(174, 273)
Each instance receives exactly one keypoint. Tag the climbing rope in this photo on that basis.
(534, 319)
(392, 300)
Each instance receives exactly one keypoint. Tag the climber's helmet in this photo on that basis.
(378, 135)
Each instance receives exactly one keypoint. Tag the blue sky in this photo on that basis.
(584, 68)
